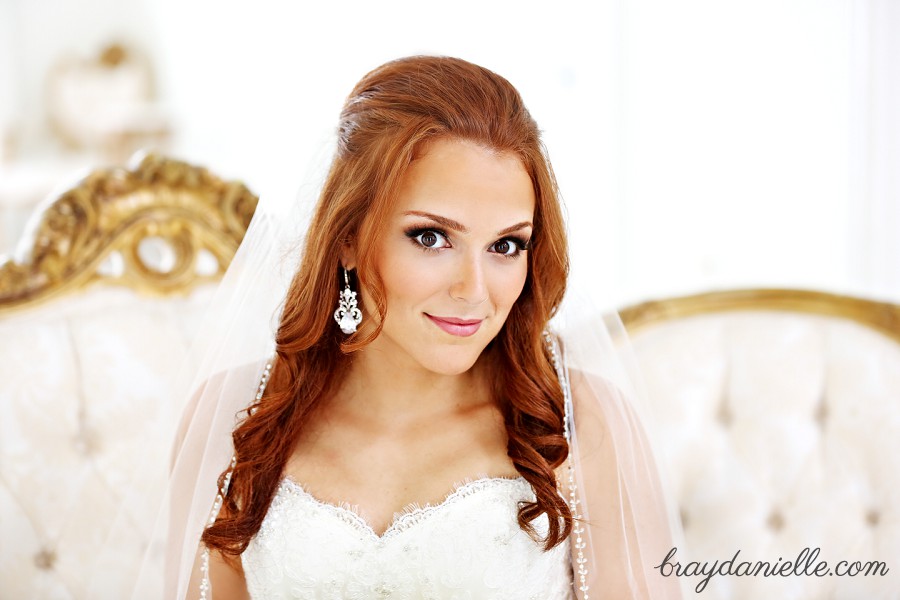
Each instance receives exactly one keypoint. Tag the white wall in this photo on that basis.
(9, 75)
(699, 144)
(875, 147)
(735, 144)
(266, 84)
(263, 85)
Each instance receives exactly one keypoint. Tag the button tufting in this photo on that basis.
(775, 522)
(873, 516)
(45, 559)
(685, 520)
(86, 441)
(821, 412)
(724, 415)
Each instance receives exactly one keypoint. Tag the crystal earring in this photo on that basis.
(348, 315)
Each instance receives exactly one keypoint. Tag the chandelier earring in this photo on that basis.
(348, 316)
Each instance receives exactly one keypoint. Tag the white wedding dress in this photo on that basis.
(469, 546)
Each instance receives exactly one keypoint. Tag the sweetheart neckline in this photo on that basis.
(410, 514)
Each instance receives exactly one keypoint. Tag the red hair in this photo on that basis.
(387, 118)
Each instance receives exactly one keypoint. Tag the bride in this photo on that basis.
(419, 432)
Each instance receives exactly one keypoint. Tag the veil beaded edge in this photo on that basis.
(579, 562)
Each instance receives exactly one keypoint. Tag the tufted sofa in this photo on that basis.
(96, 311)
(778, 420)
(778, 412)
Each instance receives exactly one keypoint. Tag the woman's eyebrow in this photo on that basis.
(515, 227)
(457, 226)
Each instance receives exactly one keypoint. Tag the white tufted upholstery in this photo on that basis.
(779, 431)
(86, 395)
(92, 339)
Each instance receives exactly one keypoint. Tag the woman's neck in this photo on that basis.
(388, 389)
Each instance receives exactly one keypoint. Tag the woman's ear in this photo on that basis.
(348, 256)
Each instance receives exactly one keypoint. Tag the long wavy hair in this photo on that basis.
(387, 118)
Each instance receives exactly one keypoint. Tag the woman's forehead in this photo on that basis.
(469, 180)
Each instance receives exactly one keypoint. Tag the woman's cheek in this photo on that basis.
(513, 282)
(411, 274)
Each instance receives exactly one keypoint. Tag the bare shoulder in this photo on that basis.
(592, 393)
(592, 398)
(243, 379)
(605, 413)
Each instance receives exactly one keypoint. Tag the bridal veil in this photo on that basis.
(625, 526)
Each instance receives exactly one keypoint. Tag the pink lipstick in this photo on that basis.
(453, 326)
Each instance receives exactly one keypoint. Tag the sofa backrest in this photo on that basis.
(778, 417)
(97, 310)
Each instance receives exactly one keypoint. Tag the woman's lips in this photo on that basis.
(454, 326)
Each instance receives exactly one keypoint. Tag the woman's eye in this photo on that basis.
(503, 247)
(508, 247)
(432, 239)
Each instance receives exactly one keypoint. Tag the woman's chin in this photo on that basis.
(455, 363)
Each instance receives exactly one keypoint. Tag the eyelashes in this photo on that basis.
(432, 239)
(428, 238)
(511, 247)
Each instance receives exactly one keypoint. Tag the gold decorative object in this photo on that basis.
(110, 213)
(881, 316)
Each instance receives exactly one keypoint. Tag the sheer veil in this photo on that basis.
(627, 524)
(152, 545)
(625, 528)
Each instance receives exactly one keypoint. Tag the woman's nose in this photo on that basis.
(469, 284)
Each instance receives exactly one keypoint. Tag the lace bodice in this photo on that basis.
(468, 546)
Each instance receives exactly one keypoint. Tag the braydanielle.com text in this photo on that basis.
(806, 564)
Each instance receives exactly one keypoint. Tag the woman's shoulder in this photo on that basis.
(243, 379)
(589, 388)
(251, 371)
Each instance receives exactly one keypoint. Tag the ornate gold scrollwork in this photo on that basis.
(112, 212)
(881, 316)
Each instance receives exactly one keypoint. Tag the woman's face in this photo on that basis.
(453, 257)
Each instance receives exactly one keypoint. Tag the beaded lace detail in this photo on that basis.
(412, 514)
(467, 546)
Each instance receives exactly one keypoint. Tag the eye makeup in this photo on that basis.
(417, 234)
(520, 245)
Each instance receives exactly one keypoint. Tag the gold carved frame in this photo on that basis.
(112, 211)
(881, 316)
